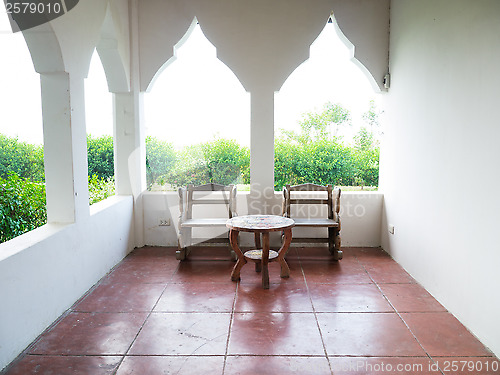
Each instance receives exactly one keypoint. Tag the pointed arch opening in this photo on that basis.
(324, 115)
(99, 124)
(197, 117)
(22, 172)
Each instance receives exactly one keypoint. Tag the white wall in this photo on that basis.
(438, 169)
(43, 272)
(361, 213)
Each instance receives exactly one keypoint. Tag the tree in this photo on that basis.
(160, 159)
(22, 206)
(371, 116)
(227, 161)
(366, 156)
(100, 156)
(320, 125)
(23, 159)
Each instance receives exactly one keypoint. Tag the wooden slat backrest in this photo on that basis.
(332, 199)
(188, 198)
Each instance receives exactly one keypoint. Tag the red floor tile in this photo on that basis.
(383, 365)
(250, 277)
(121, 297)
(153, 314)
(367, 334)
(369, 254)
(91, 334)
(388, 272)
(210, 253)
(441, 334)
(348, 298)
(410, 298)
(153, 254)
(179, 365)
(142, 273)
(198, 271)
(318, 253)
(349, 272)
(276, 365)
(183, 334)
(292, 297)
(202, 297)
(65, 365)
(275, 334)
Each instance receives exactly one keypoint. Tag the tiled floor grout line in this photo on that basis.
(315, 315)
(145, 320)
(397, 313)
(302, 260)
(230, 326)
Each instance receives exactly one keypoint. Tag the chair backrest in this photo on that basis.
(331, 198)
(192, 195)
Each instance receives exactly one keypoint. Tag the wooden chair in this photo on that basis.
(204, 195)
(319, 195)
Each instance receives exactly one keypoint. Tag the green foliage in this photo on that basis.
(22, 206)
(227, 161)
(100, 188)
(160, 159)
(21, 158)
(221, 161)
(100, 156)
(320, 162)
(366, 158)
(190, 168)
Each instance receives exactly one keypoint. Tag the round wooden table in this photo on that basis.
(260, 225)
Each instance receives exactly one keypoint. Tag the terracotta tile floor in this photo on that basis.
(154, 315)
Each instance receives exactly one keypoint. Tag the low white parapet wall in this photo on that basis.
(360, 212)
(43, 272)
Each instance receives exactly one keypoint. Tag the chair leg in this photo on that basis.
(181, 253)
(331, 241)
(334, 243)
(337, 255)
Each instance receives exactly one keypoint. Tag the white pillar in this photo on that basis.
(261, 150)
(65, 147)
(130, 154)
(129, 145)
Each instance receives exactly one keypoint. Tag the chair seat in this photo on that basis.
(206, 222)
(313, 222)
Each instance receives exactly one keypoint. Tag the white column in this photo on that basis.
(129, 144)
(65, 147)
(261, 150)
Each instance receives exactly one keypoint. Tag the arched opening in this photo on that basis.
(197, 119)
(99, 123)
(326, 115)
(22, 177)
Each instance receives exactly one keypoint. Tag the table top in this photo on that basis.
(260, 223)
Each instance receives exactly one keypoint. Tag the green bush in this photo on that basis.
(221, 161)
(100, 156)
(22, 206)
(366, 153)
(320, 162)
(160, 159)
(227, 161)
(100, 188)
(23, 159)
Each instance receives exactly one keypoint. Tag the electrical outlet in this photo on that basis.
(164, 222)
(391, 228)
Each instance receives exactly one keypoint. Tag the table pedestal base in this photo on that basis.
(261, 257)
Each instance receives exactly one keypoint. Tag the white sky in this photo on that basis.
(183, 107)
